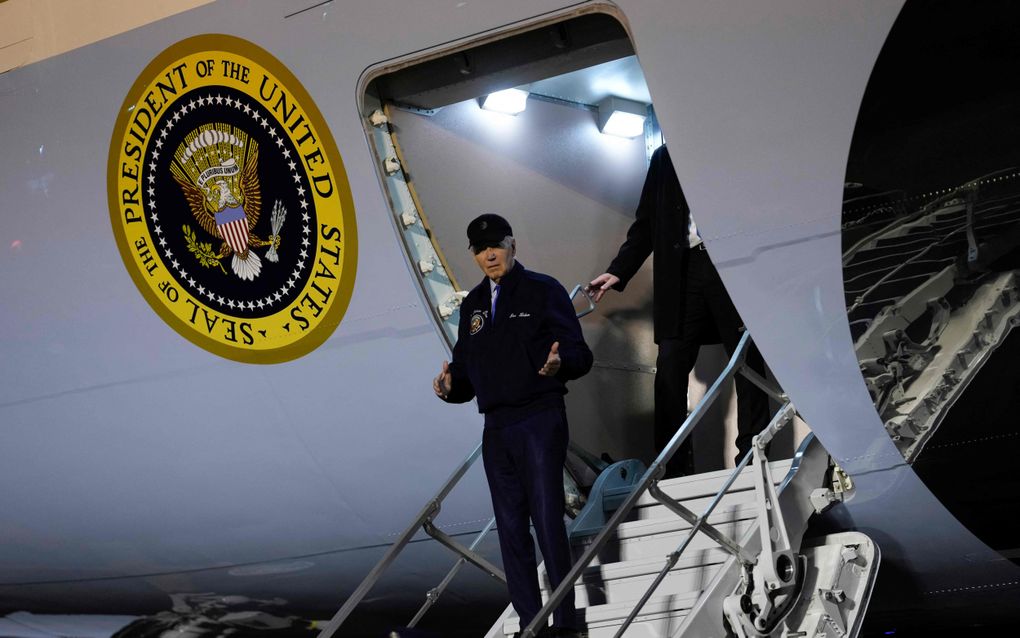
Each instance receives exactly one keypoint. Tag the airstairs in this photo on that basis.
(659, 577)
(622, 571)
(716, 554)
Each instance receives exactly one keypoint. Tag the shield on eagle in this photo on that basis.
(233, 226)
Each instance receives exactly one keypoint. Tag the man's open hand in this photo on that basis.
(443, 382)
(552, 363)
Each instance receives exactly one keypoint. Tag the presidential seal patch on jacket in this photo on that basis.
(477, 322)
(230, 204)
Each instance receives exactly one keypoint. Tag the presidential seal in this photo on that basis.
(230, 204)
(477, 322)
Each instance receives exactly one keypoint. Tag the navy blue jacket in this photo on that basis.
(499, 363)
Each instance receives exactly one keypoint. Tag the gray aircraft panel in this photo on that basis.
(768, 126)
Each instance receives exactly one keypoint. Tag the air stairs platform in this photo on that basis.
(689, 600)
(626, 567)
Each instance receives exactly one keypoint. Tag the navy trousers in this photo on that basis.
(524, 466)
(708, 313)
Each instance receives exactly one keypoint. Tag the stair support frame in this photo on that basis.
(653, 474)
(783, 416)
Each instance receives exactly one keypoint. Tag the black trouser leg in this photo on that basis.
(673, 367)
(752, 402)
(510, 507)
(524, 467)
(545, 456)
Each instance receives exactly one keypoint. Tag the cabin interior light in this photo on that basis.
(511, 101)
(623, 118)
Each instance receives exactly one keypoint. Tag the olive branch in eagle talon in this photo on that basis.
(203, 252)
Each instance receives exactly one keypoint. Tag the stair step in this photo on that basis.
(709, 483)
(661, 616)
(697, 492)
(656, 537)
(620, 582)
(696, 506)
(610, 587)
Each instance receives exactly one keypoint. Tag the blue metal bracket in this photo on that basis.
(611, 488)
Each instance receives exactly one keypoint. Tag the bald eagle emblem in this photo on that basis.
(216, 167)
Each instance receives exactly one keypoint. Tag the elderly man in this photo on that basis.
(518, 344)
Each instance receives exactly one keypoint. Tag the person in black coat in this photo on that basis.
(518, 343)
(690, 308)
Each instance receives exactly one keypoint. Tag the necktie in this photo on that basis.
(492, 313)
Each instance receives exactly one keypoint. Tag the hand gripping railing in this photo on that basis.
(649, 483)
(423, 521)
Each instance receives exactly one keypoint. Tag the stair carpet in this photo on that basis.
(610, 587)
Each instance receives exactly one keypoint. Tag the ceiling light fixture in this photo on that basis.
(623, 118)
(510, 101)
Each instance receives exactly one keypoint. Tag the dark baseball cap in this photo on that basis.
(487, 230)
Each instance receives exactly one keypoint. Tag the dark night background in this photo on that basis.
(943, 102)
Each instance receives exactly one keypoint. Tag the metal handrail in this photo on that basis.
(423, 519)
(583, 289)
(433, 594)
(782, 417)
(650, 477)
